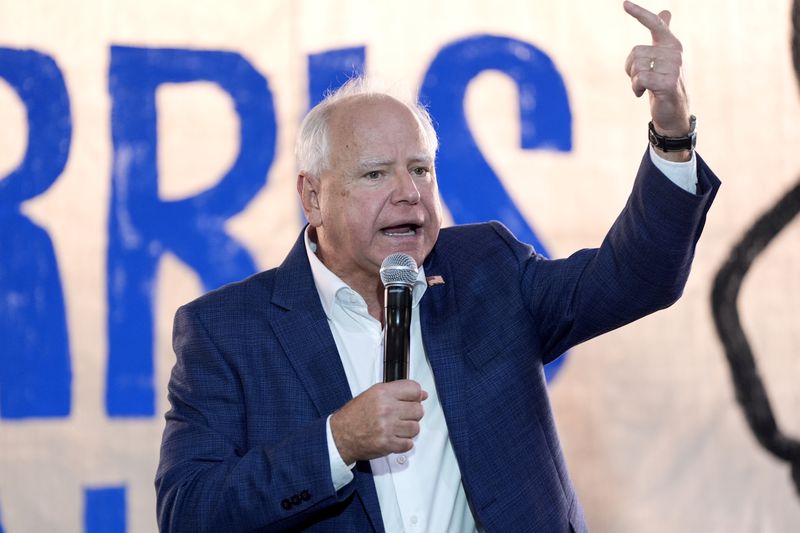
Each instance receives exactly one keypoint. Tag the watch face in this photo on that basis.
(653, 137)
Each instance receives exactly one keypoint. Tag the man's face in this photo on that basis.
(379, 194)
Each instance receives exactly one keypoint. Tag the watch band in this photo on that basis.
(674, 144)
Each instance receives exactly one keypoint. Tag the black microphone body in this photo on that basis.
(398, 274)
(397, 333)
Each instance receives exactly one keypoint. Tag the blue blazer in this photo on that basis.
(257, 373)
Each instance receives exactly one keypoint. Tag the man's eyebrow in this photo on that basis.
(421, 158)
(371, 163)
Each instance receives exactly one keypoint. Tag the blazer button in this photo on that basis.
(286, 504)
(296, 499)
(305, 495)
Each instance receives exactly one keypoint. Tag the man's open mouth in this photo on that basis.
(404, 230)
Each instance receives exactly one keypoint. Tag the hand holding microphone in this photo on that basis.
(385, 418)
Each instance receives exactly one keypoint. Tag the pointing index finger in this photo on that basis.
(657, 24)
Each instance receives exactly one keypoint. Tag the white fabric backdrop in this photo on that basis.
(653, 436)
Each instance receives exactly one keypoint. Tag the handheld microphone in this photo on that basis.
(398, 273)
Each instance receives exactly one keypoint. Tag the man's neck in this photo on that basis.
(369, 286)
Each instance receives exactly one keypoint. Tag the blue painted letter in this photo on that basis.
(469, 186)
(142, 227)
(35, 371)
(104, 510)
(327, 71)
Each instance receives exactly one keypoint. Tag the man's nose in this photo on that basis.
(405, 189)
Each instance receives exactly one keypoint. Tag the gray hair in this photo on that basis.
(312, 149)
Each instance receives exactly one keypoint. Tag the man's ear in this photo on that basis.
(308, 189)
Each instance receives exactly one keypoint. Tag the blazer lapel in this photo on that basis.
(302, 329)
(441, 336)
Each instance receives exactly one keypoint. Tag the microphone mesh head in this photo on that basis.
(398, 269)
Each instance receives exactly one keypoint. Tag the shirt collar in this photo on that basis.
(329, 285)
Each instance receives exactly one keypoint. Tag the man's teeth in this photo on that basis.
(397, 233)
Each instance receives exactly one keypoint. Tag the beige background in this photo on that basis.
(654, 438)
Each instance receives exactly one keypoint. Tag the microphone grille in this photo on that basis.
(399, 269)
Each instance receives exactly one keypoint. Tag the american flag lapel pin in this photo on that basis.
(435, 280)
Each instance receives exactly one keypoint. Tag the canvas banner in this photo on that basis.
(146, 156)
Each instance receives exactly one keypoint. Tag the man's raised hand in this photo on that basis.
(657, 68)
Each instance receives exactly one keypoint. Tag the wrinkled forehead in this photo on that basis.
(362, 121)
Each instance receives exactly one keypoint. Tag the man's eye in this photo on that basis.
(375, 174)
(419, 171)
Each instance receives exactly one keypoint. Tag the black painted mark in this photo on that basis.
(750, 391)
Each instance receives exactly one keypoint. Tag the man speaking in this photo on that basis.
(280, 417)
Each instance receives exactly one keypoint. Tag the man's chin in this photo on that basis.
(416, 245)
(413, 251)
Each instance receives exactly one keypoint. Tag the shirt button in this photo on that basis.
(401, 459)
(414, 520)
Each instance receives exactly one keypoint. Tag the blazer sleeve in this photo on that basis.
(641, 266)
(209, 478)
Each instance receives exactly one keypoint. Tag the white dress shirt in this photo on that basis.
(419, 490)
